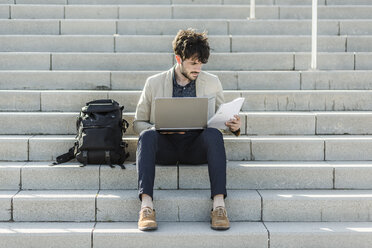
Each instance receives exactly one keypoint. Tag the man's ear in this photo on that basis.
(178, 59)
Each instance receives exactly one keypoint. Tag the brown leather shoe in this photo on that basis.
(147, 220)
(219, 220)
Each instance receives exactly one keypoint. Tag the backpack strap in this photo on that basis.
(108, 159)
(125, 125)
(85, 159)
(65, 157)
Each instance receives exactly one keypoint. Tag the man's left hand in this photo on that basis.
(234, 123)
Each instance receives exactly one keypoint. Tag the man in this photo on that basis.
(185, 79)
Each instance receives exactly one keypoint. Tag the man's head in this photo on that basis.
(192, 51)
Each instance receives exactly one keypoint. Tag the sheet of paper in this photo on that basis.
(225, 112)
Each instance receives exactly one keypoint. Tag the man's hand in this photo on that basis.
(172, 132)
(234, 123)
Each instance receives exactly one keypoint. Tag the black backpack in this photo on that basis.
(100, 128)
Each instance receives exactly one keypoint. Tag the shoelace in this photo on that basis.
(221, 212)
(147, 212)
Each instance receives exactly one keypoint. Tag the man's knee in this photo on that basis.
(212, 135)
(148, 135)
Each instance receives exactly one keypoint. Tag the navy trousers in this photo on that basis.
(193, 147)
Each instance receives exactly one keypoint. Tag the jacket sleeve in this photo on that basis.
(143, 110)
(219, 100)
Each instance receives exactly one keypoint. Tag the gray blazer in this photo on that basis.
(161, 85)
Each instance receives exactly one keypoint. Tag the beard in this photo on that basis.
(187, 75)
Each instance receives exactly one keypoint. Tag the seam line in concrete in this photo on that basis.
(10, 12)
(228, 23)
(268, 234)
(316, 124)
(12, 206)
(346, 45)
(114, 43)
(91, 236)
(40, 107)
(60, 27)
(95, 204)
(339, 28)
(172, 11)
(251, 146)
(64, 12)
(51, 62)
(334, 178)
(116, 27)
(258, 192)
(118, 12)
(294, 61)
(354, 61)
(230, 38)
(110, 80)
(300, 80)
(324, 151)
(20, 177)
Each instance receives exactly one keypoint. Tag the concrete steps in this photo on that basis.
(253, 123)
(260, 148)
(171, 26)
(242, 61)
(180, 11)
(196, 234)
(299, 176)
(255, 100)
(231, 80)
(180, 205)
(258, 2)
(248, 175)
(156, 43)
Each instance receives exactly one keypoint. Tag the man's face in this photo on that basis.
(190, 68)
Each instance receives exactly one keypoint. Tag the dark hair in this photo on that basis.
(190, 44)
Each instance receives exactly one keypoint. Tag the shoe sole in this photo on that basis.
(220, 228)
(153, 228)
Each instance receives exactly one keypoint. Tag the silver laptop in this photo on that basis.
(181, 113)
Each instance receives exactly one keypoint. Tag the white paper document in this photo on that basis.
(225, 112)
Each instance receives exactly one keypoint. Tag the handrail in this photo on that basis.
(252, 15)
(314, 36)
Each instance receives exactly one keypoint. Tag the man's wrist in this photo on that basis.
(236, 132)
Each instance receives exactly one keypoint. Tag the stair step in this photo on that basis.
(171, 26)
(240, 175)
(231, 80)
(180, 205)
(260, 148)
(255, 100)
(320, 235)
(186, 234)
(258, 2)
(126, 234)
(156, 43)
(258, 123)
(163, 61)
(180, 11)
(316, 205)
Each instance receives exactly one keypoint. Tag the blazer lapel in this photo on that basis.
(200, 85)
(168, 84)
